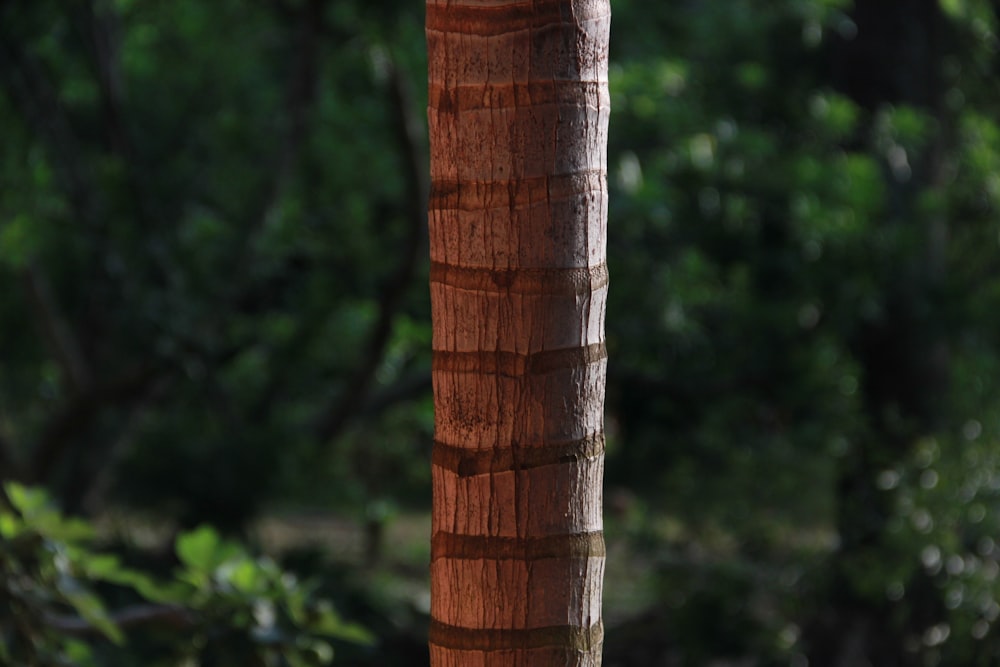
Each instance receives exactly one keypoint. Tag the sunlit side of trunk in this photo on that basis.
(518, 111)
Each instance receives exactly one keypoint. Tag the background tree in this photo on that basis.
(518, 117)
(892, 64)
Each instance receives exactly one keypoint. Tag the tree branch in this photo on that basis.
(56, 331)
(408, 388)
(100, 29)
(100, 26)
(100, 481)
(172, 616)
(411, 145)
(300, 98)
(81, 410)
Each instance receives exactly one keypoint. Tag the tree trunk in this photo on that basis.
(518, 112)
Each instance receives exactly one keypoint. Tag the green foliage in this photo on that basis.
(249, 605)
(768, 225)
(45, 569)
(185, 215)
(226, 607)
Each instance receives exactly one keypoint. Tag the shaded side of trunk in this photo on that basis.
(518, 112)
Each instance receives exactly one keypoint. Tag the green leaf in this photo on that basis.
(110, 568)
(952, 8)
(175, 592)
(79, 653)
(330, 624)
(54, 526)
(352, 632)
(26, 500)
(199, 548)
(34, 505)
(246, 577)
(19, 241)
(100, 566)
(319, 651)
(90, 607)
(10, 526)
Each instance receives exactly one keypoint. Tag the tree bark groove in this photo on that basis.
(518, 114)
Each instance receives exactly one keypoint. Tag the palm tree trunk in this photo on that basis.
(518, 111)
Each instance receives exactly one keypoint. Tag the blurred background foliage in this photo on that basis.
(213, 310)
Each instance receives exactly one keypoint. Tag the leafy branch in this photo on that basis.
(52, 612)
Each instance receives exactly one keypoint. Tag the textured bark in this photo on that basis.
(518, 125)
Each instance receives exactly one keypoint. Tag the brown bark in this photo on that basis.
(518, 111)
